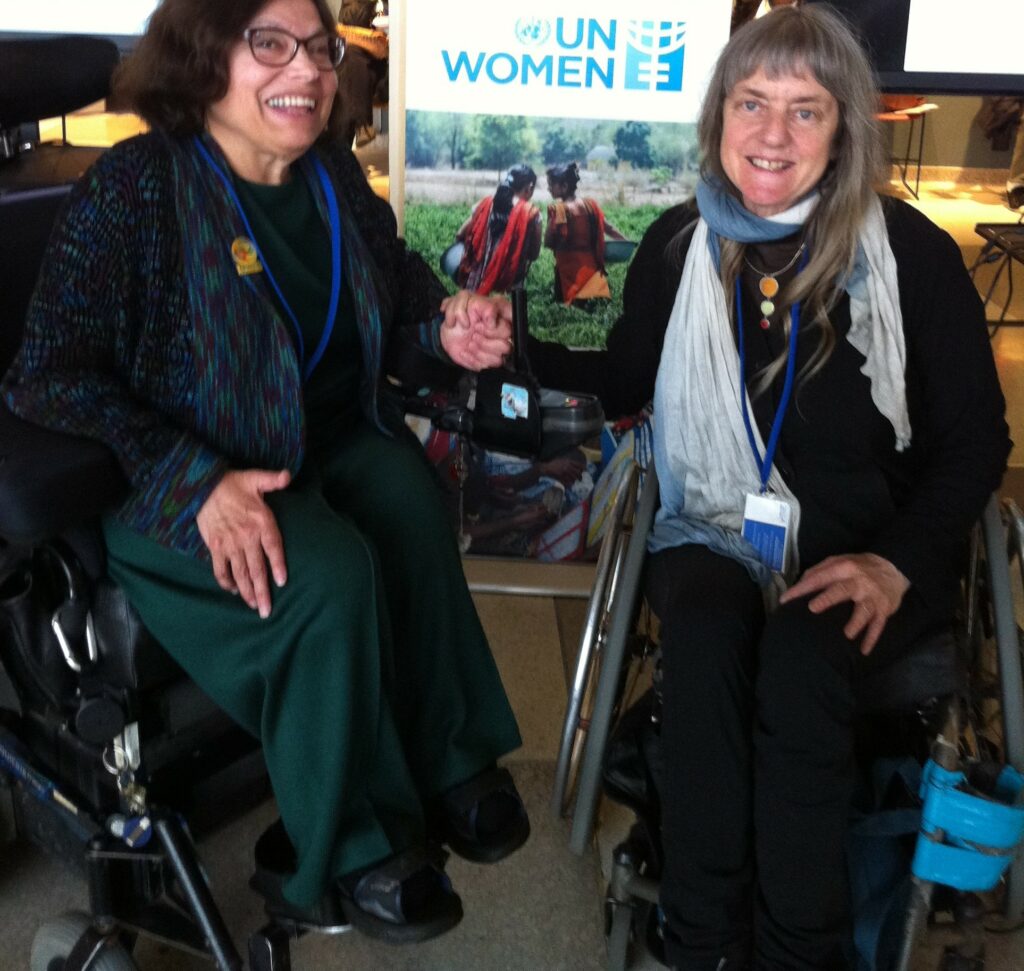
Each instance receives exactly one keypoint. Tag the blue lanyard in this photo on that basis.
(334, 220)
(764, 467)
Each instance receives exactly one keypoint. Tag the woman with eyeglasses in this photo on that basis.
(218, 305)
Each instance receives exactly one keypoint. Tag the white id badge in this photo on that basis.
(766, 528)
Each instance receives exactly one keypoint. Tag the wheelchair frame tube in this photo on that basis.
(589, 789)
(1011, 681)
(200, 900)
(589, 645)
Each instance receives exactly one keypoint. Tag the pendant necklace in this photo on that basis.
(769, 285)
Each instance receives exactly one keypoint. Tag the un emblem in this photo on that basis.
(532, 30)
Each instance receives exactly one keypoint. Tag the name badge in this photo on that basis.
(766, 528)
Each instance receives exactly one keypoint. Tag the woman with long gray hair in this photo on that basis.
(828, 425)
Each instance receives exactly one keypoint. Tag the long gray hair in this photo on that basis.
(816, 41)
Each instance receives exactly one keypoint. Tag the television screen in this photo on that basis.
(120, 20)
(941, 46)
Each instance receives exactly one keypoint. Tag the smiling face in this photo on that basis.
(270, 116)
(777, 139)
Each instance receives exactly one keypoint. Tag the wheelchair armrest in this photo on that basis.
(50, 481)
(930, 668)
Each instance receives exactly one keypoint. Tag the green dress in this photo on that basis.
(371, 684)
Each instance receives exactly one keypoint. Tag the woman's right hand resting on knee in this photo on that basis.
(241, 533)
(870, 582)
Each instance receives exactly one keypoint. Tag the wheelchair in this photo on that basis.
(959, 699)
(106, 747)
(111, 759)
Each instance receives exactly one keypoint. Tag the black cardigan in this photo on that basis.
(836, 451)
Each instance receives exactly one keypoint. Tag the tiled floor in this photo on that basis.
(542, 909)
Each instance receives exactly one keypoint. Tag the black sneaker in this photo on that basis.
(404, 899)
(275, 863)
(482, 819)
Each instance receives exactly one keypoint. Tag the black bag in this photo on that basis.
(29, 650)
(47, 597)
(506, 412)
(632, 764)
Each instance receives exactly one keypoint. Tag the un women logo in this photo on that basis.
(532, 30)
(657, 36)
(654, 55)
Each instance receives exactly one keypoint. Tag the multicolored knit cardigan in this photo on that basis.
(142, 334)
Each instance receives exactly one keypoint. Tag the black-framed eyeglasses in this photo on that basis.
(276, 47)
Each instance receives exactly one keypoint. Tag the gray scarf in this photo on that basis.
(705, 466)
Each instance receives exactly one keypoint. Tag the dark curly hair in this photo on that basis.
(567, 173)
(180, 65)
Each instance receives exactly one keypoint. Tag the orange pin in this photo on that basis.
(245, 255)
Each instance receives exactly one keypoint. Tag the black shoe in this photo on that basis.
(483, 819)
(275, 863)
(404, 899)
(1015, 197)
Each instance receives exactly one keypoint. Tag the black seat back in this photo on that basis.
(26, 220)
(48, 481)
(39, 78)
(48, 76)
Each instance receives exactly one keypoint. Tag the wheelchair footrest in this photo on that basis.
(968, 837)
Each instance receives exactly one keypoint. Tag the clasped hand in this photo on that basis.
(241, 533)
(871, 583)
(477, 331)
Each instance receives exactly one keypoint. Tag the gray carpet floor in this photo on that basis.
(540, 909)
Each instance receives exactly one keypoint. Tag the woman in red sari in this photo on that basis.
(502, 236)
(576, 232)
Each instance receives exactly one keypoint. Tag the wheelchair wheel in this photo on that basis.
(56, 938)
(589, 657)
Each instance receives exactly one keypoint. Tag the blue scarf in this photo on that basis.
(727, 217)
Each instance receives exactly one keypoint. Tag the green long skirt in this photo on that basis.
(371, 684)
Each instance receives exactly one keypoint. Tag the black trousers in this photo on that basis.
(757, 741)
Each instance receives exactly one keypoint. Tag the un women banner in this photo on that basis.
(540, 140)
(568, 59)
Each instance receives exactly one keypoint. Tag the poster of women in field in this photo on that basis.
(540, 142)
